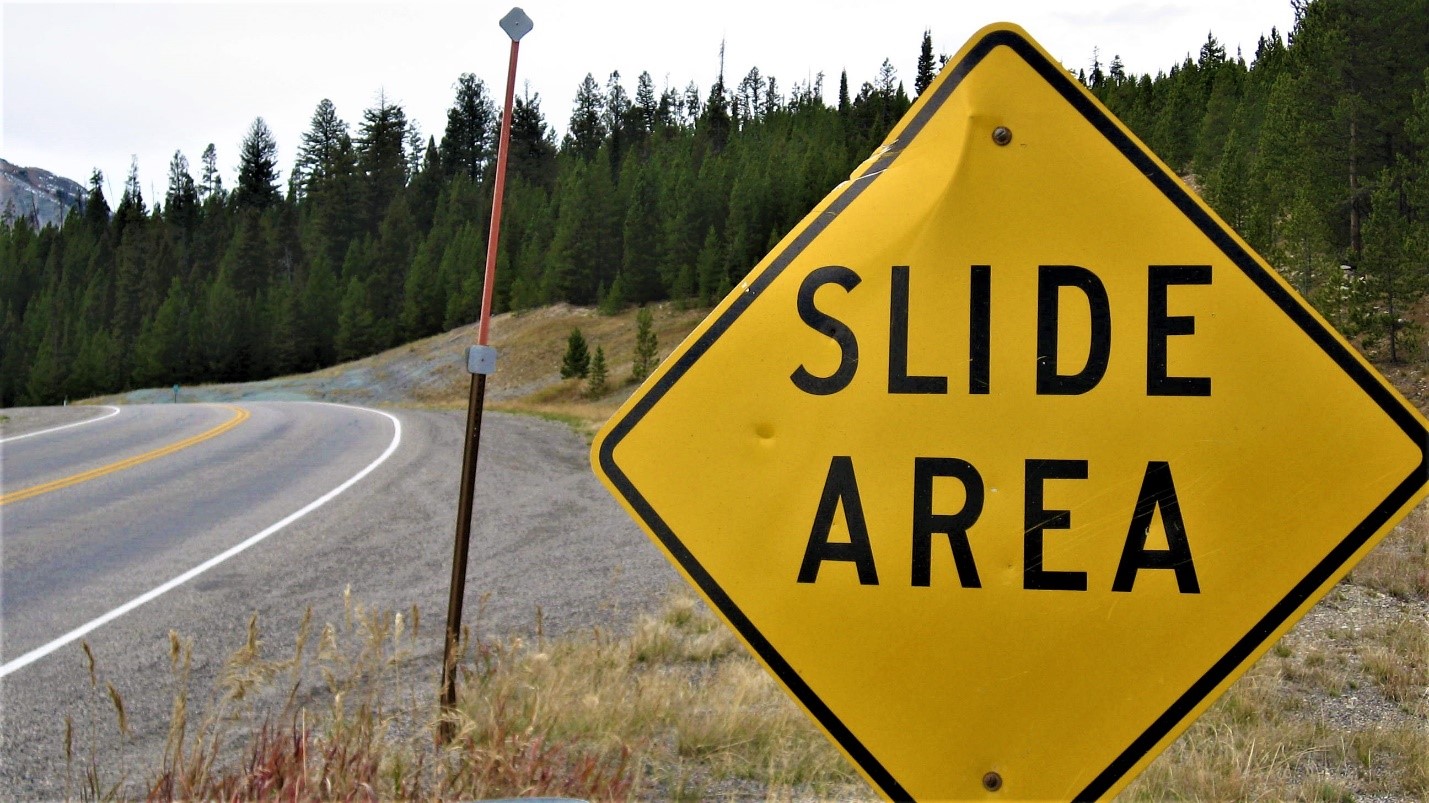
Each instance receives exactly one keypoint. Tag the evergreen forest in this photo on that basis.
(1315, 148)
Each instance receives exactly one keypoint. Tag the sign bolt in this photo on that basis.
(1002, 135)
(992, 781)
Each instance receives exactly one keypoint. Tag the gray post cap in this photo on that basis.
(516, 24)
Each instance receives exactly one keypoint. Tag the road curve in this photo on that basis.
(213, 474)
(34, 421)
(545, 536)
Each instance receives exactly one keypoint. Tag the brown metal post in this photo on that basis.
(476, 399)
(516, 24)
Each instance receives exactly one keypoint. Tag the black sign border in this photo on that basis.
(1061, 82)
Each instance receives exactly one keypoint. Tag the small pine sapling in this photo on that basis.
(576, 362)
(647, 348)
(595, 382)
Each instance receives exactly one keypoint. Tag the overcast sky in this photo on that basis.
(88, 85)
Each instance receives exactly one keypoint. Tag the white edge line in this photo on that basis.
(64, 426)
(154, 593)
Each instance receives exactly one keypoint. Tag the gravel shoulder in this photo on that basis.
(16, 421)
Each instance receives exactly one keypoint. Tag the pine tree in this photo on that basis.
(585, 252)
(715, 124)
(99, 365)
(1389, 278)
(576, 361)
(96, 209)
(319, 313)
(532, 154)
(161, 351)
(249, 260)
(356, 325)
(925, 64)
(1096, 79)
(1116, 71)
(258, 186)
(132, 260)
(381, 158)
(181, 202)
(749, 102)
(421, 292)
(425, 189)
(45, 381)
(641, 234)
(617, 119)
(395, 246)
(613, 298)
(709, 269)
(691, 104)
(587, 130)
(460, 277)
(131, 204)
(211, 186)
(647, 106)
(333, 215)
(320, 153)
(220, 327)
(416, 149)
(285, 332)
(596, 382)
(471, 131)
(647, 348)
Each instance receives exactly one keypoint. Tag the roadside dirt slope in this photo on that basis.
(432, 371)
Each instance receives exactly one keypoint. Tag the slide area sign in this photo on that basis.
(1012, 456)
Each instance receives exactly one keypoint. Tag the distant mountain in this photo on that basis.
(37, 194)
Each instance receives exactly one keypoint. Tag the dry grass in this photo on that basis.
(568, 403)
(1262, 742)
(1399, 566)
(1338, 710)
(678, 694)
(1396, 657)
(532, 343)
(674, 710)
(677, 710)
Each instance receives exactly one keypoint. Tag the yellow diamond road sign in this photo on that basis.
(1011, 457)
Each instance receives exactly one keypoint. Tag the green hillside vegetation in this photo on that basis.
(1315, 147)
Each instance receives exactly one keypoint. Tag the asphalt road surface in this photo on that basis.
(117, 528)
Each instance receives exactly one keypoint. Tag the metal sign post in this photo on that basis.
(480, 361)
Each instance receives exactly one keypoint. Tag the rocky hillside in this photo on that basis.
(41, 196)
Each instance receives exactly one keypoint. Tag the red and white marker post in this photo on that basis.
(480, 361)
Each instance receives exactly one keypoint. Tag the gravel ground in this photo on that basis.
(24, 420)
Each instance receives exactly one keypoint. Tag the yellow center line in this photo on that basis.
(239, 416)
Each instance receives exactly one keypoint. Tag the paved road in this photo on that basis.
(546, 535)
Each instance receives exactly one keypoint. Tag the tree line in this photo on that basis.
(1316, 152)
(1315, 149)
